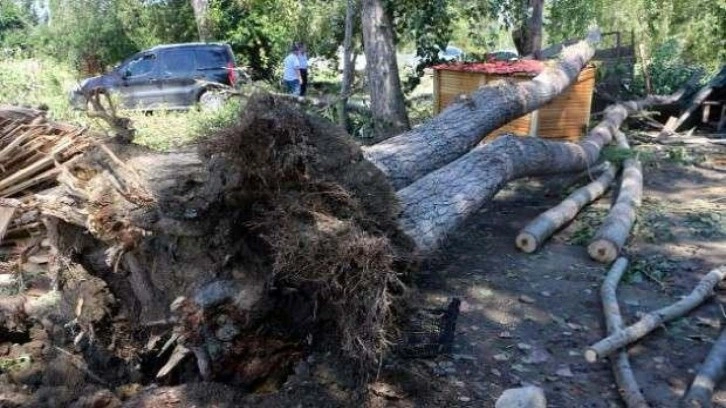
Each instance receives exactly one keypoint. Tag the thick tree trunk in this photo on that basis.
(710, 374)
(528, 37)
(536, 232)
(201, 8)
(627, 385)
(348, 72)
(387, 101)
(657, 318)
(435, 205)
(412, 155)
(536, 26)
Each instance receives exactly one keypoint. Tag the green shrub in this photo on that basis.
(37, 82)
(668, 69)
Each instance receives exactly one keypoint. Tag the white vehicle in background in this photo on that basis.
(449, 54)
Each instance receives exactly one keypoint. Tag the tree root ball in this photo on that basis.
(276, 231)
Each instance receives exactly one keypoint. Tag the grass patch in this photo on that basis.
(586, 224)
(39, 83)
(652, 223)
(167, 130)
(706, 224)
(654, 268)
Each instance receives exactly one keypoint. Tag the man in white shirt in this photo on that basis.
(303, 58)
(291, 71)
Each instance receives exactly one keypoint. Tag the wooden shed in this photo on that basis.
(564, 118)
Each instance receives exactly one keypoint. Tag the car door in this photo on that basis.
(139, 86)
(178, 75)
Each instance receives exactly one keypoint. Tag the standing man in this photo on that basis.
(303, 57)
(291, 71)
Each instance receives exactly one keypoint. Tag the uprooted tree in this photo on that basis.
(278, 231)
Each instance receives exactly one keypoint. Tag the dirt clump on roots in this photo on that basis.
(323, 218)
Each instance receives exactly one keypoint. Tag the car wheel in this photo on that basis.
(210, 100)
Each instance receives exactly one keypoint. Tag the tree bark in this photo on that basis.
(535, 27)
(711, 373)
(614, 231)
(655, 319)
(387, 101)
(412, 155)
(435, 205)
(201, 8)
(536, 232)
(348, 72)
(627, 385)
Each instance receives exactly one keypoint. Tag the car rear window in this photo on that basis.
(211, 58)
(177, 62)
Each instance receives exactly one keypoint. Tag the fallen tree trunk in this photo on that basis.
(412, 155)
(532, 236)
(435, 205)
(711, 373)
(614, 231)
(655, 319)
(627, 385)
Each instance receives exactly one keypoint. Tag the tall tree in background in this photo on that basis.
(387, 103)
(348, 71)
(201, 8)
(87, 33)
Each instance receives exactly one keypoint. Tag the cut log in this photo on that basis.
(627, 385)
(555, 185)
(430, 146)
(536, 232)
(614, 231)
(655, 319)
(711, 373)
(435, 205)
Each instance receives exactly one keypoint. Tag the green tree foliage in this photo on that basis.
(153, 22)
(93, 34)
(15, 19)
(695, 30)
(262, 31)
(428, 25)
(88, 33)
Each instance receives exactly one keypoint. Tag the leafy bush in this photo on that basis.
(38, 82)
(668, 69)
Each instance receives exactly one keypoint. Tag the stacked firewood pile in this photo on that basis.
(33, 153)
